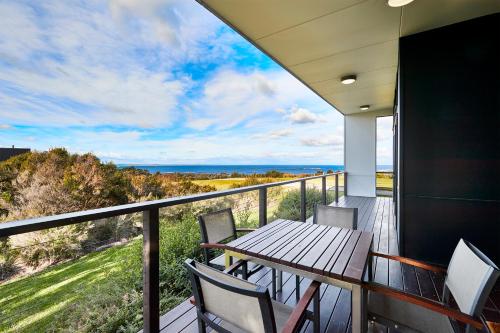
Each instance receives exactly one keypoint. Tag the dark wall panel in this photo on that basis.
(450, 118)
(444, 222)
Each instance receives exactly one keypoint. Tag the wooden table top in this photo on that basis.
(339, 253)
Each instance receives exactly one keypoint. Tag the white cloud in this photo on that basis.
(230, 97)
(384, 128)
(121, 63)
(302, 116)
(274, 134)
(112, 59)
(332, 140)
(5, 126)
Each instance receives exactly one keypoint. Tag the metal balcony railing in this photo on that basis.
(151, 219)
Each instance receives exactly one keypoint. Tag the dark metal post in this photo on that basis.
(336, 187)
(303, 207)
(151, 270)
(262, 206)
(323, 190)
(345, 184)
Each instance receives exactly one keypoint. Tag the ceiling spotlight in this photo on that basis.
(364, 107)
(348, 79)
(398, 3)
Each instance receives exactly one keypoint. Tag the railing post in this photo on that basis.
(151, 270)
(303, 208)
(345, 184)
(336, 187)
(323, 190)
(262, 206)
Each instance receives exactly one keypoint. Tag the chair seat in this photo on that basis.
(281, 314)
(220, 263)
(407, 314)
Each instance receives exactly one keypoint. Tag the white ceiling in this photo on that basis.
(319, 41)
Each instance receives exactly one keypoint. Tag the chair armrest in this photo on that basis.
(493, 327)
(293, 323)
(411, 262)
(245, 229)
(424, 302)
(231, 269)
(213, 246)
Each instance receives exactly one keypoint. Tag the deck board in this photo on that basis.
(376, 215)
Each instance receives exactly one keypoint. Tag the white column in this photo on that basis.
(360, 131)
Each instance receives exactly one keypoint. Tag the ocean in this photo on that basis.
(243, 169)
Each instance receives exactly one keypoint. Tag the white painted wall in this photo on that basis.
(360, 131)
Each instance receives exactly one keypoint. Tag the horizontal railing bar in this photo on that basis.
(47, 222)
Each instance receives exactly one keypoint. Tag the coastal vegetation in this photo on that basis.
(88, 277)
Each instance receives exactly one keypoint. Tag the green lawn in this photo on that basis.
(384, 181)
(30, 304)
(226, 183)
(220, 184)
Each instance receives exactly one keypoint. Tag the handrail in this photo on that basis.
(47, 222)
(151, 221)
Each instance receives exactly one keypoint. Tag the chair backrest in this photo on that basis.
(470, 278)
(240, 303)
(336, 216)
(217, 226)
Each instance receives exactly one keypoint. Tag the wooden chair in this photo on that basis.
(241, 306)
(469, 279)
(336, 216)
(218, 227)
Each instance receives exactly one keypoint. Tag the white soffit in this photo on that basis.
(319, 41)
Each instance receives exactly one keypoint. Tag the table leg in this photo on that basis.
(359, 311)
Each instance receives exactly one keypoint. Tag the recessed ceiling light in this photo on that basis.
(398, 3)
(348, 79)
(364, 107)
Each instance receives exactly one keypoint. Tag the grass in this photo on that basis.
(220, 184)
(30, 304)
(227, 183)
(384, 181)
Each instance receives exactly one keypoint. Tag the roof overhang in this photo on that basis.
(319, 41)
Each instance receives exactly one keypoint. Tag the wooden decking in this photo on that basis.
(375, 214)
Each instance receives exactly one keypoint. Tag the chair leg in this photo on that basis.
(244, 271)
(297, 287)
(273, 287)
(280, 280)
(316, 311)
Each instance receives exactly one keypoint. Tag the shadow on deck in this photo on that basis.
(375, 214)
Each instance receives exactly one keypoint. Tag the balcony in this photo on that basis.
(374, 214)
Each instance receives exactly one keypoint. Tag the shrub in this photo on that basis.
(289, 207)
(7, 258)
(274, 174)
(116, 306)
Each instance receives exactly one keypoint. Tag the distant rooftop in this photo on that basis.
(6, 153)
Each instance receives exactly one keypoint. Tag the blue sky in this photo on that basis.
(154, 81)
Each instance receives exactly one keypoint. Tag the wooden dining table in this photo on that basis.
(337, 256)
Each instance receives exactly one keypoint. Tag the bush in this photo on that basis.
(289, 207)
(274, 174)
(117, 305)
(7, 258)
